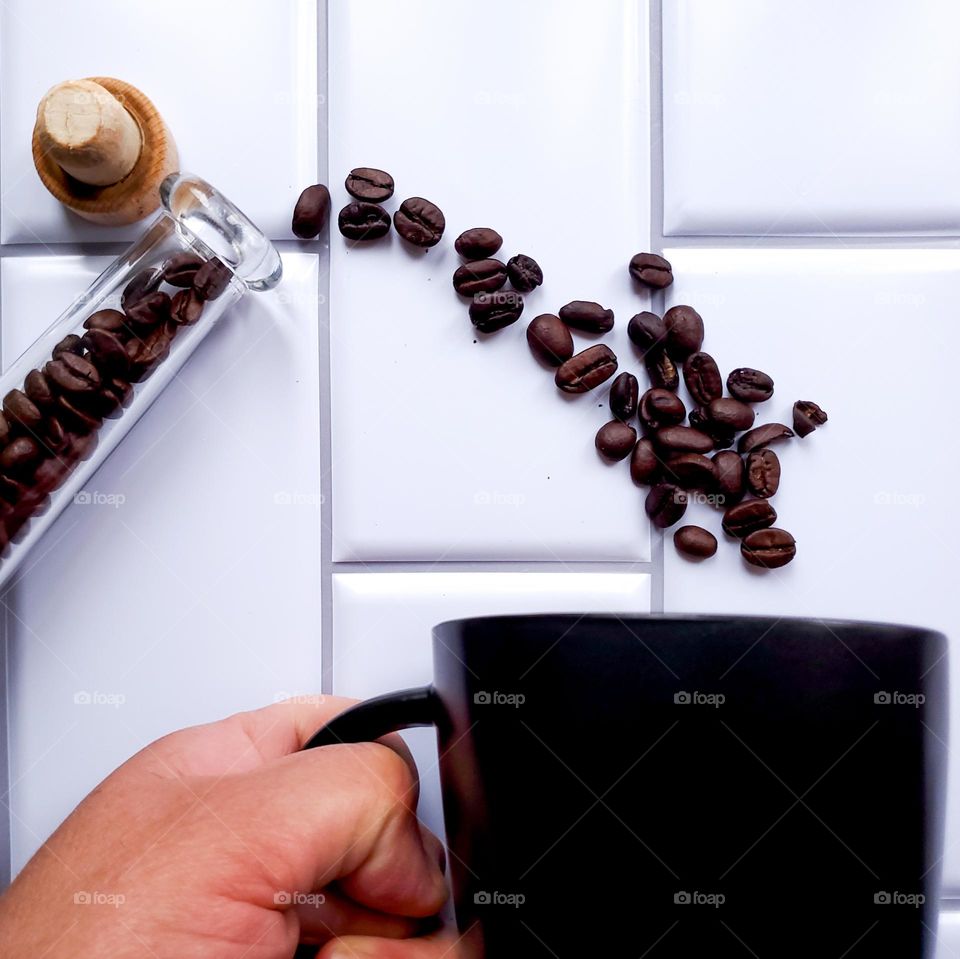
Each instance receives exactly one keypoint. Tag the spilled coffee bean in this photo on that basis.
(369, 183)
(692, 471)
(645, 464)
(665, 505)
(550, 339)
(615, 440)
(647, 332)
(807, 416)
(420, 222)
(682, 439)
(480, 276)
(490, 312)
(702, 378)
(587, 316)
(684, 331)
(478, 244)
(624, 396)
(770, 548)
(763, 473)
(729, 477)
(749, 385)
(695, 541)
(651, 270)
(361, 221)
(730, 415)
(587, 370)
(524, 272)
(659, 408)
(662, 370)
(763, 436)
(311, 212)
(746, 518)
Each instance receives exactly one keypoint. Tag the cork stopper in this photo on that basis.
(102, 149)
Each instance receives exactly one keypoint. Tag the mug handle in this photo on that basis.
(376, 717)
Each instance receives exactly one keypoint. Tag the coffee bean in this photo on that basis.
(682, 439)
(763, 473)
(524, 272)
(145, 353)
(729, 477)
(70, 373)
(37, 388)
(769, 548)
(75, 417)
(751, 386)
(369, 183)
(702, 376)
(181, 269)
(746, 518)
(660, 408)
(763, 436)
(51, 473)
(480, 276)
(665, 505)
(644, 463)
(615, 440)
(52, 437)
(662, 370)
(587, 369)
(723, 436)
(695, 541)
(108, 351)
(647, 332)
(12, 491)
(729, 414)
(18, 457)
(587, 316)
(21, 411)
(212, 279)
(624, 396)
(684, 331)
(4, 429)
(490, 312)
(478, 243)
(651, 270)
(419, 222)
(690, 471)
(144, 283)
(69, 344)
(113, 321)
(807, 416)
(148, 311)
(549, 339)
(310, 213)
(363, 221)
(186, 308)
(120, 388)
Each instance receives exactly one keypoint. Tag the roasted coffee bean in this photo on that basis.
(148, 311)
(682, 439)
(69, 344)
(660, 408)
(12, 491)
(102, 403)
(143, 284)
(549, 339)
(113, 321)
(369, 183)
(70, 373)
(729, 479)
(651, 270)
(746, 518)
(186, 308)
(695, 541)
(419, 222)
(665, 504)
(108, 351)
(212, 279)
(81, 446)
(763, 473)
(624, 396)
(690, 471)
(662, 370)
(702, 376)
(729, 414)
(37, 388)
(684, 331)
(615, 440)
(524, 272)
(763, 436)
(51, 473)
(4, 429)
(181, 269)
(587, 316)
(75, 417)
(751, 386)
(647, 332)
(52, 436)
(587, 369)
(120, 388)
(145, 353)
(21, 411)
(363, 221)
(769, 548)
(807, 416)
(19, 457)
(480, 276)
(310, 213)
(645, 464)
(723, 436)
(478, 243)
(490, 312)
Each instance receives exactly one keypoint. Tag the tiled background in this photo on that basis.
(798, 166)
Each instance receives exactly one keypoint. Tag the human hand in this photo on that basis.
(224, 841)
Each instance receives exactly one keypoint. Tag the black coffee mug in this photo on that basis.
(684, 786)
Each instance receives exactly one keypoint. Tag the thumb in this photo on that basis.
(440, 946)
